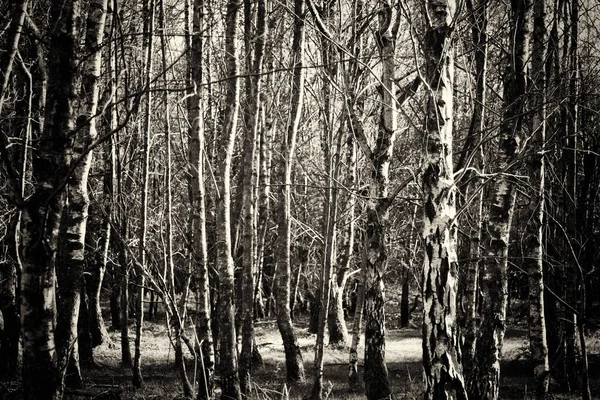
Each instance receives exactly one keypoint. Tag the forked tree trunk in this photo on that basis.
(336, 322)
(42, 211)
(535, 163)
(199, 250)
(375, 253)
(228, 359)
(442, 368)
(494, 280)
(293, 356)
(70, 265)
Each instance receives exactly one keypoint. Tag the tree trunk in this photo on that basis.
(75, 214)
(264, 180)
(199, 250)
(10, 324)
(124, 303)
(293, 356)
(228, 360)
(338, 332)
(254, 59)
(534, 229)
(442, 368)
(375, 253)
(336, 323)
(494, 281)
(552, 276)
(7, 61)
(95, 279)
(42, 211)
(176, 309)
(478, 12)
(325, 285)
(330, 238)
(355, 129)
(405, 304)
(353, 378)
(148, 15)
(84, 334)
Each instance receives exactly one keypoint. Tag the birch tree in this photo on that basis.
(42, 211)
(534, 229)
(254, 59)
(149, 6)
(442, 368)
(375, 253)
(293, 356)
(478, 13)
(9, 315)
(72, 244)
(228, 359)
(494, 281)
(197, 190)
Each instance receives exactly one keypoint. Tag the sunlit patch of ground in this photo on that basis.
(403, 353)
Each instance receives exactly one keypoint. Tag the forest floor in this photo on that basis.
(403, 354)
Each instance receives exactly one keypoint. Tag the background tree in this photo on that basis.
(228, 362)
(293, 356)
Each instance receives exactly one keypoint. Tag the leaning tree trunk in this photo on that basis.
(95, 279)
(293, 356)
(494, 280)
(8, 59)
(338, 332)
(42, 211)
(442, 368)
(199, 249)
(228, 359)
